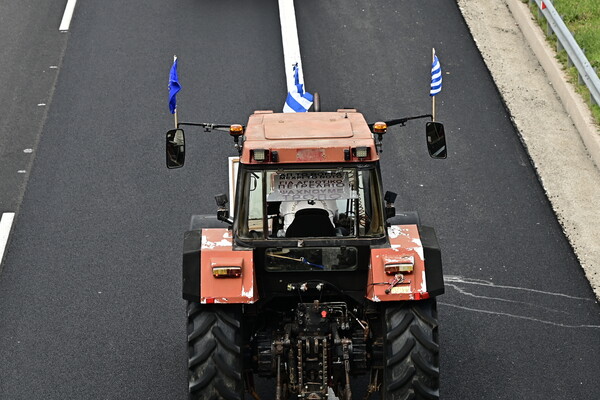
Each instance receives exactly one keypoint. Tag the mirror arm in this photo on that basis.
(208, 127)
(223, 210)
(223, 215)
(402, 121)
(390, 211)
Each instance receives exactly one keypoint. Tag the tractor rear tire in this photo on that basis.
(411, 350)
(215, 363)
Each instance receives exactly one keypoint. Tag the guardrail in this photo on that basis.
(575, 56)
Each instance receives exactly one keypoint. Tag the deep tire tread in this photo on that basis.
(224, 340)
(422, 337)
(401, 354)
(203, 356)
(204, 323)
(401, 327)
(224, 368)
(200, 383)
(411, 350)
(215, 358)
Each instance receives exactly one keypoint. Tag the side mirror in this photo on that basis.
(175, 148)
(389, 198)
(223, 210)
(436, 140)
(221, 200)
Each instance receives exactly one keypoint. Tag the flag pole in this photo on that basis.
(175, 110)
(432, 97)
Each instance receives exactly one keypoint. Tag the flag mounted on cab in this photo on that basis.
(174, 86)
(297, 99)
(436, 76)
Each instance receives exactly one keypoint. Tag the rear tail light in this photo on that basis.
(227, 272)
(405, 265)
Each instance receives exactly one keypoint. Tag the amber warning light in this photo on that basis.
(236, 130)
(379, 128)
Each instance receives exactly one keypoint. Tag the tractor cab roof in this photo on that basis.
(312, 137)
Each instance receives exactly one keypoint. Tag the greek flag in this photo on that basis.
(174, 87)
(436, 76)
(297, 100)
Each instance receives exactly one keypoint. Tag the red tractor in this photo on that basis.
(314, 278)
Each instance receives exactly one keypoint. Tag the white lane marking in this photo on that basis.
(291, 45)
(5, 225)
(519, 317)
(66, 19)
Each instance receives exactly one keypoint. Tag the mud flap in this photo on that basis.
(192, 242)
(433, 261)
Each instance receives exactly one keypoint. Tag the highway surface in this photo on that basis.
(90, 304)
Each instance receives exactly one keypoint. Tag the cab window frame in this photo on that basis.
(241, 228)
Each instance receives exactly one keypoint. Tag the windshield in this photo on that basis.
(337, 202)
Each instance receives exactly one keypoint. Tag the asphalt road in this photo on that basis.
(90, 304)
(32, 48)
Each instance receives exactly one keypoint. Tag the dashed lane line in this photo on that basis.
(5, 225)
(67, 16)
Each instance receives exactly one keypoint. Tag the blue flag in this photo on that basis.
(297, 100)
(174, 87)
(436, 76)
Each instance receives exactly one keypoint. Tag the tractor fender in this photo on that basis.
(209, 244)
(405, 218)
(433, 261)
(217, 251)
(408, 243)
(205, 221)
(192, 242)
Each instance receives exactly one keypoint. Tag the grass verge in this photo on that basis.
(582, 17)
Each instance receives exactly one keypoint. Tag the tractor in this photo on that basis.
(310, 278)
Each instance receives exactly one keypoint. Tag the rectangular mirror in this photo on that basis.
(175, 148)
(436, 140)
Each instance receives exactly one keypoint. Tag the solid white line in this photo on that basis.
(66, 19)
(291, 46)
(5, 225)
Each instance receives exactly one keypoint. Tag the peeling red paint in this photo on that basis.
(405, 241)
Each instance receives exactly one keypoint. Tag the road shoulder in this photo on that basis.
(564, 166)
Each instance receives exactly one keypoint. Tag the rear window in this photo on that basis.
(311, 259)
